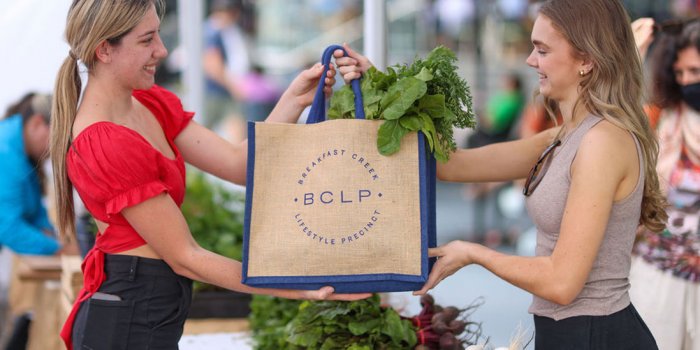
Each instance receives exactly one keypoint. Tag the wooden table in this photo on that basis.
(36, 287)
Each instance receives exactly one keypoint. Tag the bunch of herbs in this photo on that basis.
(427, 95)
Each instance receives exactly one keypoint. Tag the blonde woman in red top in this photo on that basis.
(123, 147)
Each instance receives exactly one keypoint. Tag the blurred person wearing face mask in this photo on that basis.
(665, 274)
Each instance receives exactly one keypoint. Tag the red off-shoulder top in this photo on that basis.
(113, 167)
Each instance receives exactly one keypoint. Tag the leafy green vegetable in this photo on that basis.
(401, 96)
(328, 325)
(268, 319)
(389, 137)
(428, 96)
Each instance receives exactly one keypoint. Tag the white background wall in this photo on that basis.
(32, 46)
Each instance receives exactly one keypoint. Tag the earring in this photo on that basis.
(581, 72)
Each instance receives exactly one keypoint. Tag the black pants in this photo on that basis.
(622, 330)
(150, 315)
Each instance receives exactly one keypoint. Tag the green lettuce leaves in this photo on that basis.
(427, 96)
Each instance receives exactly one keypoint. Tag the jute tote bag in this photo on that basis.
(323, 207)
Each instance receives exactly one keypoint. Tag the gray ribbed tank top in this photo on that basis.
(606, 290)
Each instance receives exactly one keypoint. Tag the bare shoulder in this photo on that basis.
(86, 116)
(609, 139)
(607, 149)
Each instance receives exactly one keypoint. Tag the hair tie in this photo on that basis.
(72, 55)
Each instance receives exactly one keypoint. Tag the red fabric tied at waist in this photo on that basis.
(93, 276)
(94, 271)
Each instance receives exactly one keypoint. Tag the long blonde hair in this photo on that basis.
(599, 30)
(89, 23)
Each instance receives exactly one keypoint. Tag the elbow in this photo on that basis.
(563, 294)
(180, 269)
(182, 264)
(563, 299)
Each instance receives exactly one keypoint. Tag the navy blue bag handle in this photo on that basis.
(318, 107)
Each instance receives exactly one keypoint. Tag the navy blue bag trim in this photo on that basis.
(355, 283)
(317, 113)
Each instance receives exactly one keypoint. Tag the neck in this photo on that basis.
(107, 100)
(571, 120)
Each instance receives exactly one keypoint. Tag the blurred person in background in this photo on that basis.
(237, 89)
(226, 61)
(24, 142)
(452, 18)
(24, 224)
(535, 118)
(497, 124)
(665, 275)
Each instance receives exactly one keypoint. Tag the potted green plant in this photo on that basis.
(214, 215)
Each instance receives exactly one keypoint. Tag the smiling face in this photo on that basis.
(687, 66)
(553, 58)
(134, 58)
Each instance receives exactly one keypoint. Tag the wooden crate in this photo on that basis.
(71, 276)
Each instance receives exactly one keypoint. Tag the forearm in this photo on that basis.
(503, 161)
(22, 238)
(226, 273)
(41, 220)
(537, 275)
(287, 109)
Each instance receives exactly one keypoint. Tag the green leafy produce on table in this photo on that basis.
(329, 325)
(283, 324)
(427, 96)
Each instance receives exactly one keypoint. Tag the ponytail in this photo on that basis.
(64, 109)
(89, 23)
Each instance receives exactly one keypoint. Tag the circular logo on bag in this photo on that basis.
(338, 197)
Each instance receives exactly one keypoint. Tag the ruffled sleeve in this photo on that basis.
(115, 166)
(167, 108)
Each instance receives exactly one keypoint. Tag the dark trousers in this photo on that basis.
(150, 313)
(622, 330)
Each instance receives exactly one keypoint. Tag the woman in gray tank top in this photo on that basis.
(587, 193)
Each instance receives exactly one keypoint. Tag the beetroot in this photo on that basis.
(457, 326)
(445, 328)
(440, 327)
(448, 341)
(450, 313)
(427, 299)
